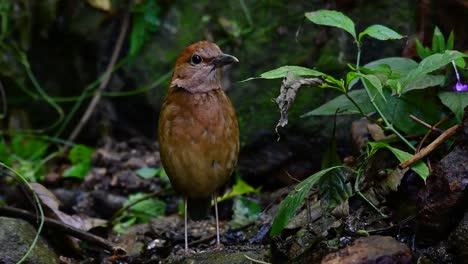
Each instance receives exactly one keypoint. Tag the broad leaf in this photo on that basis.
(281, 72)
(345, 106)
(147, 172)
(456, 102)
(373, 82)
(432, 63)
(332, 18)
(380, 32)
(424, 81)
(80, 153)
(419, 167)
(78, 170)
(397, 64)
(438, 41)
(420, 103)
(291, 203)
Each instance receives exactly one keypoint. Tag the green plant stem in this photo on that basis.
(371, 204)
(44, 95)
(39, 206)
(388, 125)
(354, 103)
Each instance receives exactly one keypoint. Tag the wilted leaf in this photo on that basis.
(294, 199)
(289, 88)
(332, 18)
(456, 102)
(51, 202)
(380, 32)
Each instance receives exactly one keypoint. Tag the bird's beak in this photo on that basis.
(222, 60)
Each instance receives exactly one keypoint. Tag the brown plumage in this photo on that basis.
(198, 130)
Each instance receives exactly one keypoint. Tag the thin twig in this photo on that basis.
(54, 224)
(432, 128)
(429, 132)
(437, 142)
(108, 73)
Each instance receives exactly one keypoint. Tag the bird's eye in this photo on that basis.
(196, 59)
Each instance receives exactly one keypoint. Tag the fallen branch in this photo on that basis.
(437, 142)
(70, 230)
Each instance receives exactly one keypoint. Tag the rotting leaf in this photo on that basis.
(288, 91)
(50, 201)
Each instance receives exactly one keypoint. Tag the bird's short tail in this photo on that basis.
(199, 208)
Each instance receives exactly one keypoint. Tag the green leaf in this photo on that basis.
(432, 63)
(450, 41)
(79, 170)
(422, 52)
(424, 81)
(145, 21)
(421, 103)
(456, 102)
(345, 106)
(380, 32)
(146, 209)
(438, 41)
(398, 65)
(332, 18)
(373, 81)
(332, 186)
(350, 77)
(419, 167)
(80, 153)
(239, 188)
(245, 210)
(291, 203)
(147, 172)
(28, 148)
(282, 71)
(460, 63)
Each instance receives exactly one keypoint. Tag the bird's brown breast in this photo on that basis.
(199, 140)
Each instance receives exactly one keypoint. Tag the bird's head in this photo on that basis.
(198, 68)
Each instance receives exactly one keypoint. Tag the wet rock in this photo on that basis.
(443, 200)
(373, 249)
(15, 238)
(459, 240)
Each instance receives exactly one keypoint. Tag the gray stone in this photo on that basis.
(16, 236)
